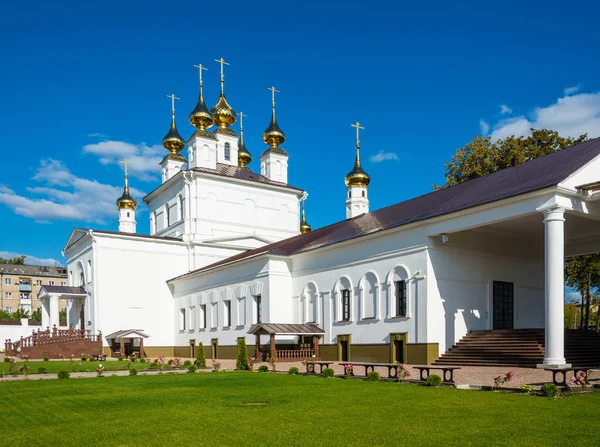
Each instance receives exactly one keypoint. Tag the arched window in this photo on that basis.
(364, 194)
(227, 151)
(370, 296)
(349, 194)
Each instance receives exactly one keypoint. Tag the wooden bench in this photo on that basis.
(446, 371)
(563, 382)
(390, 366)
(312, 364)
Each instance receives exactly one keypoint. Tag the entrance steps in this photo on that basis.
(522, 348)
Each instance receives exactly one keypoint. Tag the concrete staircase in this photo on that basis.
(519, 348)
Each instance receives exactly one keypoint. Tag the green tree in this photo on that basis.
(36, 315)
(583, 274)
(481, 156)
(200, 356)
(242, 355)
(17, 260)
(571, 316)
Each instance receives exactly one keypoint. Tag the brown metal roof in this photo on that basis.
(68, 290)
(127, 332)
(285, 329)
(242, 174)
(527, 177)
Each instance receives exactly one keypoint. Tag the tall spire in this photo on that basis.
(172, 140)
(304, 226)
(223, 115)
(126, 201)
(357, 177)
(200, 117)
(244, 156)
(274, 136)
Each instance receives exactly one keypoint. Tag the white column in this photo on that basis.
(554, 222)
(45, 314)
(54, 320)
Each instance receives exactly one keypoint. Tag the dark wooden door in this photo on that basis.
(399, 348)
(344, 347)
(82, 318)
(504, 301)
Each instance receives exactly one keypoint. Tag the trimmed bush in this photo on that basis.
(46, 359)
(63, 374)
(200, 356)
(373, 376)
(7, 359)
(549, 390)
(263, 369)
(42, 370)
(83, 357)
(434, 380)
(192, 369)
(120, 358)
(241, 364)
(328, 372)
(133, 372)
(187, 363)
(153, 365)
(133, 358)
(142, 359)
(293, 371)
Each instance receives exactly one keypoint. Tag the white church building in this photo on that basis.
(230, 249)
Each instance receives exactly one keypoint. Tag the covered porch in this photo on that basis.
(127, 342)
(49, 297)
(305, 339)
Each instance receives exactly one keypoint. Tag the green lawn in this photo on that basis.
(206, 409)
(65, 365)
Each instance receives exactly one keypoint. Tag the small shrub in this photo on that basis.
(216, 366)
(46, 359)
(142, 359)
(91, 359)
(83, 357)
(133, 358)
(200, 356)
(434, 380)
(42, 370)
(549, 390)
(328, 372)
(153, 365)
(7, 359)
(501, 380)
(373, 376)
(187, 363)
(63, 374)
(293, 371)
(133, 372)
(263, 369)
(192, 368)
(120, 358)
(527, 389)
(241, 364)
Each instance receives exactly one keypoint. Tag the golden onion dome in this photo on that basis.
(126, 201)
(200, 117)
(357, 177)
(223, 115)
(172, 140)
(273, 136)
(304, 226)
(244, 156)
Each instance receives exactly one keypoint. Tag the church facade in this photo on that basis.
(230, 248)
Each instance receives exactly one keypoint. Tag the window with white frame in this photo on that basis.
(214, 315)
(38, 282)
(50, 283)
(346, 305)
(227, 152)
(63, 283)
(192, 318)
(227, 315)
(369, 293)
(400, 287)
(258, 304)
(8, 309)
(8, 281)
(241, 312)
(203, 316)
(182, 319)
(8, 295)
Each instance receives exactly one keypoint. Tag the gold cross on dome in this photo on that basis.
(358, 129)
(222, 62)
(241, 114)
(173, 98)
(273, 91)
(200, 67)
(125, 162)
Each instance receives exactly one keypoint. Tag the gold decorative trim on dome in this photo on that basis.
(244, 156)
(126, 201)
(200, 117)
(273, 135)
(223, 114)
(357, 177)
(172, 140)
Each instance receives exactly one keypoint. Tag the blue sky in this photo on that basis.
(85, 84)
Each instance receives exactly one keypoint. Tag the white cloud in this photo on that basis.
(144, 160)
(574, 89)
(505, 110)
(570, 116)
(383, 156)
(64, 196)
(101, 136)
(485, 127)
(31, 260)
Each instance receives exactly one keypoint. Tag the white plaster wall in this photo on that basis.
(14, 332)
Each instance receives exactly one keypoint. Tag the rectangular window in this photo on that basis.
(38, 282)
(214, 317)
(227, 313)
(182, 319)
(241, 312)
(192, 318)
(400, 298)
(50, 283)
(8, 309)
(258, 309)
(63, 283)
(346, 305)
(172, 214)
(8, 295)
(8, 281)
(203, 316)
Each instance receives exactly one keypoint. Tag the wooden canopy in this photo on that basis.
(286, 329)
